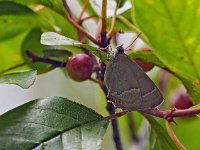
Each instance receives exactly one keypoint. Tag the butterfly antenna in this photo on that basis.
(133, 41)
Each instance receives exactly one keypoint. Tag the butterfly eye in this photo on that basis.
(119, 101)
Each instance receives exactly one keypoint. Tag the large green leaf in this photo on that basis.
(52, 123)
(22, 79)
(159, 138)
(55, 5)
(51, 38)
(148, 56)
(172, 28)
(16, 18)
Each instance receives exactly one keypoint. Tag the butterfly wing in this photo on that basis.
(129, 86)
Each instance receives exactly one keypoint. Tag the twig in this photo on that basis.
(35, 58)
(115, 128)
(82, 30)
(86, 18)
(104, 16)
(116, 115)
(171, 113)
(173, 136)
(133, 134)
(83, 9)
(111, 31)
(65, 4)
(132, 27)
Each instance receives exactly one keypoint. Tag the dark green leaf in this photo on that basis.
(52, 123)
(22, 79)
(159, 138)
(174, 34)
(57, 53)
(16, 18)
(55, 5)
(59, 22)
(51, 38)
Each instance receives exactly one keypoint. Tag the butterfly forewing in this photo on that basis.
(127, 82)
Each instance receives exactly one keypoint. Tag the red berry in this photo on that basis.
(146, 66)
(183, 101)
(80, 67)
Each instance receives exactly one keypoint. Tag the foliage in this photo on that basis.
(42, 34)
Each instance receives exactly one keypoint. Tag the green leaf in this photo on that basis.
(57, 52)
(159, 138)
(174, 34)
(148, 56)
(52, 123)
(51, 38)
(16, 18)
(55, 5)
(60, 23)
(22, 79)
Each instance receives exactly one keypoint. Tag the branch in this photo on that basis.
(168, 114)
(82, 30)
(132, 28)
(111, 31)
(104, 16)
(173, 136)
(35, 58)
(65, 4)
(115, 127)
(85, 5)
(171, 113)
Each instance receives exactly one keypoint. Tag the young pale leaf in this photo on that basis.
(52, 123)
(22, 79)
(159, 138)
(174, 34)
(52, 38)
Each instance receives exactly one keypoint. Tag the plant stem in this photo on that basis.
(104, 16)
(115, 128)
(35, 58)
(132, 27)
(173, 136)
(110, 33)
(83, 9)
(168, 114)
(65, 4)
(171, 113)
(133, 134)
(82, 30)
